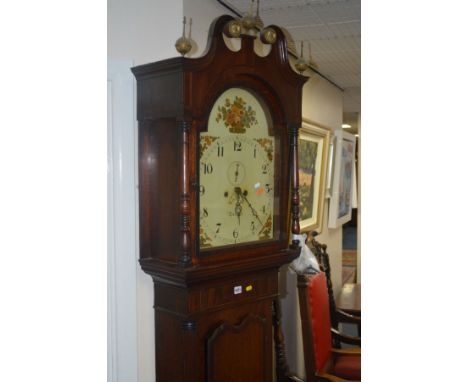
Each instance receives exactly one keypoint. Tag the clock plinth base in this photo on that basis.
(214, 323)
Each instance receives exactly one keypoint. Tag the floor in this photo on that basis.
(349, 261)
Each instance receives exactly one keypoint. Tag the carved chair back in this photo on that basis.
(320, 252)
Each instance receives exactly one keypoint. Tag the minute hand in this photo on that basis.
(254, 213)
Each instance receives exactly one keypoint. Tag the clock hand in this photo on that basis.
(238, 208)
(254, 212)
(238, 211)
(237, 172)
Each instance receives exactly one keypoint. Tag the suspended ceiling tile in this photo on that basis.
(347, 80)
(266, 5)
(332, 29)
(339, 67)
(292, 17)
(323, 47)
(314, 32)
(352, 100)
(339, 11)
(345, 29)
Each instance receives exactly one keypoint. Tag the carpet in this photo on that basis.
(349, 258)
(348, 275)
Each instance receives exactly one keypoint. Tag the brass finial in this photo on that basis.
(183, 44)
(248, 21)
(258, 21)
(268, 36)
(301, 64)
(233, 28)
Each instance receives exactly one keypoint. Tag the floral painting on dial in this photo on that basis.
(236, 115)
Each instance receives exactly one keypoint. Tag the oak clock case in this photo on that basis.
(218, 195)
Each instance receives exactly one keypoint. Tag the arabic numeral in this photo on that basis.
(207, 168)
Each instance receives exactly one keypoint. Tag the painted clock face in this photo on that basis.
(237, 172)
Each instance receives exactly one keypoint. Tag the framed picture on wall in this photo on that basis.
(314, 141)
(343, 174)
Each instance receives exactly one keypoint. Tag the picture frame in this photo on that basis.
(341, 200)
(314, 143)
(331, 151)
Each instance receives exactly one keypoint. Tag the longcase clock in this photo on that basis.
(218, 193)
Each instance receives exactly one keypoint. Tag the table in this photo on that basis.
(349, 300)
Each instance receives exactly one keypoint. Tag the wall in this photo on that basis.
(202, 12)
(122, 268)
(323, 104)
(143, 30)
(139, 31)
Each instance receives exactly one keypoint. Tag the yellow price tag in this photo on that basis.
(248, 288)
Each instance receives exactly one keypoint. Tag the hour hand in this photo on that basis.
(238, 208)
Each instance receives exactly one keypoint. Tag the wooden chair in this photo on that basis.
(322, 362)
(336, 315)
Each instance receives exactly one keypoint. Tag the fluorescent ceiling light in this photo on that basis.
(346, 126)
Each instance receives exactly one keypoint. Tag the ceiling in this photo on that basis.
(332, 29)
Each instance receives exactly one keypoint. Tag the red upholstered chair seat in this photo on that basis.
(348, 366)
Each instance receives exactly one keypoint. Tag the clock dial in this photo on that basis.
(236, 173)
